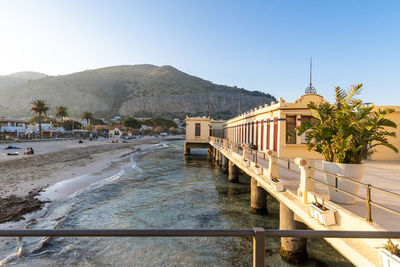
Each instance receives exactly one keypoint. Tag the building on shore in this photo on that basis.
(12, 127)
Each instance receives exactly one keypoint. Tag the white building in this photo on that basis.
(14, 127)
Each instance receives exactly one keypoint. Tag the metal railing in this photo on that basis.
(258, 234)
(368, 188)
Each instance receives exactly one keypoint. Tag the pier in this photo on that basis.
(303, 184)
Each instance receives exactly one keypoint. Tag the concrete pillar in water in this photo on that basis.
(225, 164)
(220, 158)
(233, 171)
(186, 150)
(258, 198)
(216, 156)
(293, 250)
(209, 154)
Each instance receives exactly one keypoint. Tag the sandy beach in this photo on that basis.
(22, 177)
(55, 161)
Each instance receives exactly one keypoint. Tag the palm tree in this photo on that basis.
(61, 112)
(88, 116)
(40, 107)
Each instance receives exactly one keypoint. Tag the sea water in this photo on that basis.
(155, 188)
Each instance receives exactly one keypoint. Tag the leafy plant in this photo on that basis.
(392, 248)
(348, 130)
(61, 112)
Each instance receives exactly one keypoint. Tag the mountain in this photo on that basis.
(131, 90)
(15, 79)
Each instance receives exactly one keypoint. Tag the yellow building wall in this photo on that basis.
(204, 130)
(384, 153)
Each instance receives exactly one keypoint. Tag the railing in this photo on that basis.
(369, 189)
(258, 234)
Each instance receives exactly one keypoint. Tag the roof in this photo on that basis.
(12, 120)
(119, 127)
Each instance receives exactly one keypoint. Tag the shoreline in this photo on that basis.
(21, 178)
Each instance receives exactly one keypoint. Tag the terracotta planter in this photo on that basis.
(354, 172)
(325, 217)
(386, 259)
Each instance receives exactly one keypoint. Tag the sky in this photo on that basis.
(256, 45)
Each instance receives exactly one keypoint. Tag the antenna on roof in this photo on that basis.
(209, 106)
(310, 89)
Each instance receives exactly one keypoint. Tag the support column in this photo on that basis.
(220, 158)
(186, 150)
(258, 198)
(209, 154)
(224, 164)
(293, 250)
(233, 171)
(216, 158)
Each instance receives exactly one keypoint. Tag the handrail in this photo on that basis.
(369, 188)
(337, 176)
(368, 201)
(258, 234)
(196, 233)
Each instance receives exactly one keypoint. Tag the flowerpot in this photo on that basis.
(325, 217)
(246, 163)
(353, 172)
(386, 259)
(277, 186)
(258, 170)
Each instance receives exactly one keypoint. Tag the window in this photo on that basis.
(197, 129)
(291, 130)
(307, 119)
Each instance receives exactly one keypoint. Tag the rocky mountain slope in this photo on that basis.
(131, 90)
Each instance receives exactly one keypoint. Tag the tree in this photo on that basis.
(40, 107)
(132, 123)
(61, 112)
(88, 116)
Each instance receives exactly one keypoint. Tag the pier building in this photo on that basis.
(199, 130)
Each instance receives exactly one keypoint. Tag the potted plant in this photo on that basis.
(277, 185)
(345, 133)
(389, 255)
(322, 213)
(257, 169)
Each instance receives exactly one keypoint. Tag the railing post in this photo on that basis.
(273, 171)
(259, 247)
(303, 189)
(244, 148)
(368, 202)
(288, 164)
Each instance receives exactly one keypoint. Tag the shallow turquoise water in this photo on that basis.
(156, 188)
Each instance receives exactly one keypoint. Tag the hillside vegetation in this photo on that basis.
(131, 90)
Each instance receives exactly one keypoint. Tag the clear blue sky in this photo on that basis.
(258, 45)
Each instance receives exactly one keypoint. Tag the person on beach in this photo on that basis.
(29, 151)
